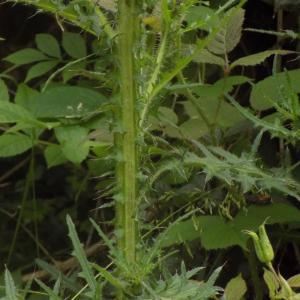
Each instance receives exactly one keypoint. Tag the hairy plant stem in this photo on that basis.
(126, 140)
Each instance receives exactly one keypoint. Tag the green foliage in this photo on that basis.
(14, 144)
(73, 137)
(242, 170)
(25, 56)
(279, 287)
(52, 293)
(210, 228)
(229, 35)
(65, 102)
(54, 155)
(4, 95)
(40, 69)
(84, 14)
(14, 113)
(74, 45)
(10, 288)
(236, 288)
(255, 59)
(158, 124)
(272, 89)
(48, 44)
(180, 287)
(87, 272)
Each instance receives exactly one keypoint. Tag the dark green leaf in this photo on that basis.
(194, 128)
(48, 44)
(54, 156)
(25, 56)
(269, 90)
(74, 45)
(14, 144)
(210, 228)
(4, 94)
(207, 57)
(73, 70)
(201, 17)
(14, 113)
(40, 69)
(74, 142)
(24, 94)
(65, 101)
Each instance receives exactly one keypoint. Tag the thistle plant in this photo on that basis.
(132, 106)
(147, 77)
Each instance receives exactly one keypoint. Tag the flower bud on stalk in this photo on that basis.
(262, 244)
(257, 246)
(265, 243)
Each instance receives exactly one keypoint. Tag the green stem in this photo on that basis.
(28, 182)
(254, 273)
(126, 174)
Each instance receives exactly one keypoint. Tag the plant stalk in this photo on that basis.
(126, 207)
(258, 291)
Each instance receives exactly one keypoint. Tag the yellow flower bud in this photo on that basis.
(154, 22)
